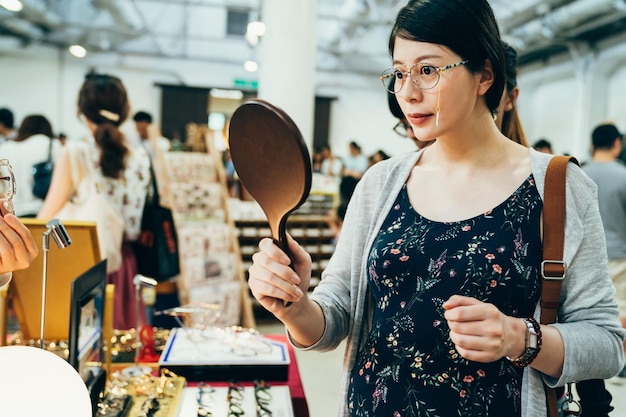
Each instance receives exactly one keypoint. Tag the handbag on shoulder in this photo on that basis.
(156, 250)
(42, 175)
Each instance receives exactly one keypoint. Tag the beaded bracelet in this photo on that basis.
(530, 353)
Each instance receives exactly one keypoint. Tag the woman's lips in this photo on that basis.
(418, 118)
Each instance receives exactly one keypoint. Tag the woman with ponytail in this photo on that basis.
(122, 176)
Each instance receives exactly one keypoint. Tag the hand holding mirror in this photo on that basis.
(272, 162)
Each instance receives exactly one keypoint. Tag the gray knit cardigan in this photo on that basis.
(588, 316)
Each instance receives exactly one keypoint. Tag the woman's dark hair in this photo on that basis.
(35, 124)
(511, 124)
(103, 100)
(466, 27)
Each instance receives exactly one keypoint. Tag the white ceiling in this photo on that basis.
(352, 34)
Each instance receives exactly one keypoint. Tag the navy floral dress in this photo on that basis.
(409, 366)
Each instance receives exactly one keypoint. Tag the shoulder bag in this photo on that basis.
(42, 175)
(89, 205)
(553, 268)
(156, 250)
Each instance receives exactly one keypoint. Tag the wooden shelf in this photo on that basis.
(311, 231)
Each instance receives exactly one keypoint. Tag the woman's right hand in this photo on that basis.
(272, 279)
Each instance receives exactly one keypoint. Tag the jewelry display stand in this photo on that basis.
(221, 354)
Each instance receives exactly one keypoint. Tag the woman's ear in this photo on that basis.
(486, 78)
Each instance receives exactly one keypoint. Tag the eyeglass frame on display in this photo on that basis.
(399, 81)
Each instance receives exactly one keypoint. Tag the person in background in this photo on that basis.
(33, 143)
(7, 125)
(316, 160)
(17, 245)
(156, 145)
(122, 177)
(610, 176)
(62, 137)
(376, 157)
(506, 116)
(435, 280)
(331, 165)
(542, 145)
(355, 164)
(147, 136)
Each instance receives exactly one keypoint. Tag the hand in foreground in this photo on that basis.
(273, 280)
(480, 331)
(17, 245)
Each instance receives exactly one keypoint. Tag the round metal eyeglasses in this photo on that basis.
(424, 76)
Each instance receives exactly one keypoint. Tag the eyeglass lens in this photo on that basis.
(424, 77)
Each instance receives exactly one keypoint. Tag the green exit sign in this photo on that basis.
(246, 84)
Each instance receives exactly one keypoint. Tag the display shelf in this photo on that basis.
(311, 231)
(209, 250)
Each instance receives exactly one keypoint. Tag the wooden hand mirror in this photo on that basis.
(272, 162)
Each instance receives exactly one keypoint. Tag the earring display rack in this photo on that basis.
(195, 187)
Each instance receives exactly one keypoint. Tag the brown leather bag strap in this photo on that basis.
(553, 267)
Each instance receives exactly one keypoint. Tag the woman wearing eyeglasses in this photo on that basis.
(435, 280)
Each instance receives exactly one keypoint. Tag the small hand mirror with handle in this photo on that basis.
(272, 162)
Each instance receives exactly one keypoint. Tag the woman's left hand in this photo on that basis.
(481, 332)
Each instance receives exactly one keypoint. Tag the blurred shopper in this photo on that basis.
(543, 145)
(7, 125)
(610, 176)
(331, 165)
(355, 164)
(148, 135)
(33, 143)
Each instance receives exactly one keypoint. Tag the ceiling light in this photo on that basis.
(251, 66)
(254, 32)
(12, 5)
(78, 51)
(256, 28)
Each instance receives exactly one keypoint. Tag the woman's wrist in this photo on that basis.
(532, 343)
(518, 342)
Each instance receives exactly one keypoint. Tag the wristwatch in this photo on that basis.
(532, 345)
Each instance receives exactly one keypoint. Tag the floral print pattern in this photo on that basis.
(408, 365)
